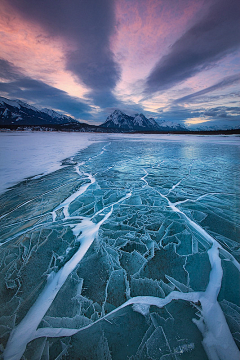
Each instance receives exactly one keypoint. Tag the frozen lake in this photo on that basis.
(127, 249)
(26, 154)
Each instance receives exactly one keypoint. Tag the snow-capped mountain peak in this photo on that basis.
(51, 112)
(171, 126)
(123, 122)
(12, 111)
(8, 102)
(140, 119)
(16, 104)
(54, 114)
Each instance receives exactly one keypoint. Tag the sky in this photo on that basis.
(173, 60)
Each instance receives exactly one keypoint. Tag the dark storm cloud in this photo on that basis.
(227, 81)
(214, 36)
(40, 93)
(87, 25)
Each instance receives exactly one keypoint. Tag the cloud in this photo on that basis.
(8, 71)
(19, 86)
(107, 100)
(224, 112)
(177, 113)
(213, 37)
(104, 98)
(222, 115)
(22, 87)
(227, 81)
(86, 28)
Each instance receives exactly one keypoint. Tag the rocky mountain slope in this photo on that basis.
(16, 112)
(120, 121)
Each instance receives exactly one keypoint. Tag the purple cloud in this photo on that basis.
(209, 40)
(85, 24)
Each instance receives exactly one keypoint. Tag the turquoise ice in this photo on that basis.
(129, 251)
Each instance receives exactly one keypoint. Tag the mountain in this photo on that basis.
(122, 122)
(16, 112)
(171, 126)
(18, 115)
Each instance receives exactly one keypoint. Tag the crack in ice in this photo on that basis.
(217, 341)
(85, 232)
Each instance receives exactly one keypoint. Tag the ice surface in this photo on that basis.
(128, 250)
(26, 154)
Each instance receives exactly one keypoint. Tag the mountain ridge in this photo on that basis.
(138, 122)
(17, 111)
(121, 121)
(18, 115)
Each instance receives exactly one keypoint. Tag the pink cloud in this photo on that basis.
(39, 56)
(145, 31)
